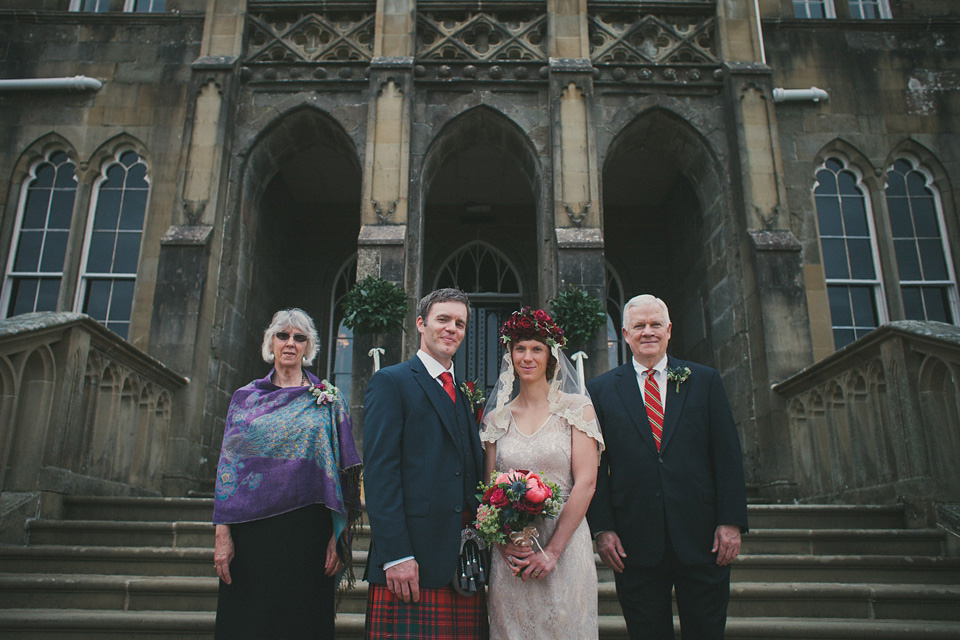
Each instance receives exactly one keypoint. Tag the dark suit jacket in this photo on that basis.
(692, 485)
(422, 460)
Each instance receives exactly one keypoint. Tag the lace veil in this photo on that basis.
(567, 398)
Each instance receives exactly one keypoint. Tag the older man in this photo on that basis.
(422, 462)
(670, 503)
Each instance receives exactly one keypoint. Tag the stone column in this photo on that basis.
(183, 303)
(576, 207)
(382, 244)
(778, 325)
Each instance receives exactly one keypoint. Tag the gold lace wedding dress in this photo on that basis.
(564, 604)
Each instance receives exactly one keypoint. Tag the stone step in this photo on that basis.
(847, 569)
(908, 542)
(120, 533)
(821, 516)
(36, 624)
(118, 592)
(137, 509)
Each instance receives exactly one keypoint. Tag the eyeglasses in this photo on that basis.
(283, 336)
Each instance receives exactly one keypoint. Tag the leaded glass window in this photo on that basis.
(813, 9)
(90, 6)
(340, 354)
(927, 283)
(149, 6)
(479, 269)
(113, 243)
(35, 269)
(849, 254)
(869, 9)
(616, 349)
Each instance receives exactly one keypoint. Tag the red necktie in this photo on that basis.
(447, 379)
(651, 399)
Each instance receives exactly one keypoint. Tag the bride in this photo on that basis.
(538, 419)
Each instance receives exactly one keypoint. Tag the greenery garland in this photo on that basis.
(579, 314)
(374, 305)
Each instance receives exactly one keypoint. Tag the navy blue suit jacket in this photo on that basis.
(422, 460)
(692, 485)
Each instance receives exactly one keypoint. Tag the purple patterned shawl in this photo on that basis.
(282, 451)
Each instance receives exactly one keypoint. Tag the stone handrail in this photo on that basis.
(81, 409)
(879, 420)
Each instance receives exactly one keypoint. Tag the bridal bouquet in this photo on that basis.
(510, 504)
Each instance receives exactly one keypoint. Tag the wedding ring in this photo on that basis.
(536, 574)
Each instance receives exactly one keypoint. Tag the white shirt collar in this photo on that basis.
(660, 367)
(434, 368)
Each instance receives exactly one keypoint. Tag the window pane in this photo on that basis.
(907, 260)
(896, 184)
(936, 304)
(864, 308)
(840, 306)
(828, 215)
(35, 211)
(127, 253)
(97, 299)
(28, 251)
(134, 204)
(861, 259)
(61, 209)
(47, 294)
(842, 337)
(108, 209)
(925, 218)
(826, 180)
(54, 249)
(900, 223)
(931, 257)
(912, 303)
(119, 328)
(835, 258)
(100, 253)
(121, 300)
(23, 295)
(854, 217)
(847, 184)
(116, 175)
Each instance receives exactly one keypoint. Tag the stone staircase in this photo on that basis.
(142, 567)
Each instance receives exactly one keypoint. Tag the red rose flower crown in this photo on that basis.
(527, 324)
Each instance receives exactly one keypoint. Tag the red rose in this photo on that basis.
(497, 497)
(524, 324)
(541, 316)
(530, 507)
(470, 386)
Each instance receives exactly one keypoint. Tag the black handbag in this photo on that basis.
(473, 564)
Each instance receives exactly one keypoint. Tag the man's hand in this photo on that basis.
(726, 543)
(403, 580)
(610, 550)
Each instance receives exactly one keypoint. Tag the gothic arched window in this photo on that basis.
(112, 249)
(616, 348)
(35, 267)
(849, 254)
(340, 353)
(927, 282)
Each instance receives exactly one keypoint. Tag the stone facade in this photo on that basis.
(621, 147)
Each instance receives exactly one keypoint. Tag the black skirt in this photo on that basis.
(279, 590)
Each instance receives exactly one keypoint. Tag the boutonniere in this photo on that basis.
(475, 398)
(678, 375)
(325, 393)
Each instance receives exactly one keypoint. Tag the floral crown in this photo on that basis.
(527, 324)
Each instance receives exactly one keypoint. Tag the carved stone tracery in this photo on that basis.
(283, 37)
(481, 36)
(617, 38)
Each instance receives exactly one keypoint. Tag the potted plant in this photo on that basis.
(373, 307)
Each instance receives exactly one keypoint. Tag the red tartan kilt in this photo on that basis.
(441, 614)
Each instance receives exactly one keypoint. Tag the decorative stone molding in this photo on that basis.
(310, 37)
(384, 216)
(641, 38)
(472, 35)
(577, 212)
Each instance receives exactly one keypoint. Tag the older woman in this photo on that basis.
(287, 489)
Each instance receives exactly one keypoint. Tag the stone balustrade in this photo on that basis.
(81, 410)
(879, 420)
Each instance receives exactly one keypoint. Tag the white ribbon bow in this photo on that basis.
(375, 353)
(578, 357)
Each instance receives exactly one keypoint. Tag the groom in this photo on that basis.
(670, 503)
(422, 462)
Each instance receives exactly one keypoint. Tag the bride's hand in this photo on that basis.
(538, 566)
(516, 556)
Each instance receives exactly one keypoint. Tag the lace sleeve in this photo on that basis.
(578, 411)
(495, 424)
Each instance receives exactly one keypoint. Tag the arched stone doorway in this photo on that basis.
(299, 222)
(480, 232)
(661, 195)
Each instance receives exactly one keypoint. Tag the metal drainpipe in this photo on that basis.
(76, 83)
(795, 95)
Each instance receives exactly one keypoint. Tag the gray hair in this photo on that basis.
(442, 295)
(297, 319)
(642, 300)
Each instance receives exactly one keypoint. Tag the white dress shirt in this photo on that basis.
(659, 376)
